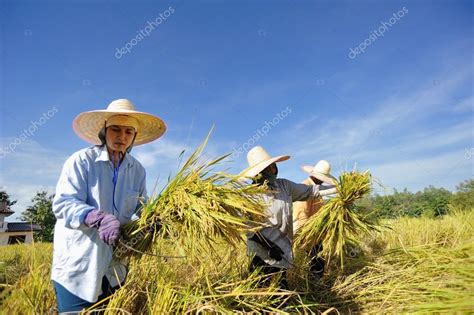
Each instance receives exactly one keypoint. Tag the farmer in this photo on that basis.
(99, 190)
(271, 246)
(303, 210)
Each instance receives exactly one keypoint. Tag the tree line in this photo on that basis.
(430, 202)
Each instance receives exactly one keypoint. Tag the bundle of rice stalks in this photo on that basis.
(339, 225)
(195, 208)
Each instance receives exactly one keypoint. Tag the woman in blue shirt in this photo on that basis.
(99, 189)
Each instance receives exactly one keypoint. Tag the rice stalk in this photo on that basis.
(197, 207)
(422, 279)
(339, 225)
(32, 290)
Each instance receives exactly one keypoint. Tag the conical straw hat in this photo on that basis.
(322, 171)
(259, 159)
(88, 124)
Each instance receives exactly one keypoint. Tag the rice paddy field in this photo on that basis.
(413, 265)
(187, 254)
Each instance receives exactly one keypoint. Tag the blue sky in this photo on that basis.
(402, 108)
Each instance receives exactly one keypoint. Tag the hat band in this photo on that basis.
(122, 120)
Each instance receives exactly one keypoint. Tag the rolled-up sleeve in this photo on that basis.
(69, 204)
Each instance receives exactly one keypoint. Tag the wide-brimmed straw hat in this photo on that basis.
(322, 171)
(259, 159)
(148, 127)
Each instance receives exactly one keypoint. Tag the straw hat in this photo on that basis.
(258, 160)
(322, 171)
(88, 124)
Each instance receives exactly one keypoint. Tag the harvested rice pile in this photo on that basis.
(339, 225)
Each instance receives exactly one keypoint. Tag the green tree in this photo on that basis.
(434, 201)
(41, 213)
(431, 202)
(463, 199)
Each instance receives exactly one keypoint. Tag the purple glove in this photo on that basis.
(109, 229)
(93, 218)
(108, 225)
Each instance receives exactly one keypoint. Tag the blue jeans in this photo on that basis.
(68, 302)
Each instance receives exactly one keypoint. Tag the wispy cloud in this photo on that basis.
(395, 113)
(395, 138)
(465, 105)
(419, 143)
(445, 170)
(160, 152)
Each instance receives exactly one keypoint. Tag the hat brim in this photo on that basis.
(254, 170)
(88, 124)
(326, 178)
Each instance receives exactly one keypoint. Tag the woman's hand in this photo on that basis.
(108, 225)
(327, 190)
(109, 229)
(93, 218)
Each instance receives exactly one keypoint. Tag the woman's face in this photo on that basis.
(271, 169)
(119, 138)
(316, 181)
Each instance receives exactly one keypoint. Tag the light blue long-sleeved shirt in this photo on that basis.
(80, 257)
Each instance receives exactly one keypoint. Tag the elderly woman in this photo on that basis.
(271, 247)
(99, 190)
(303, 210)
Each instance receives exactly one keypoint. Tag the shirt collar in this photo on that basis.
(104, 156)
